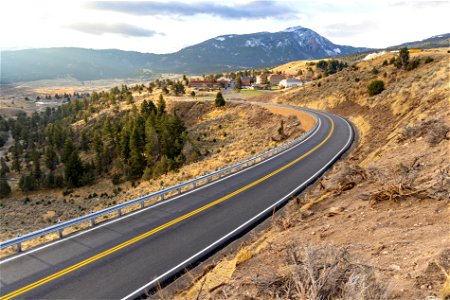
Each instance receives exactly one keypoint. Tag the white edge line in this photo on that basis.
(158, 203)
(247, 222)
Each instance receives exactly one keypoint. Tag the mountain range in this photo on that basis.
(220, 54)
(442, 40)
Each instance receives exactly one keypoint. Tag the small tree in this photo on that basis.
(375, 87)
(219, 100)
(5, 189)
(403, 59)
(193, 94)
(161, 106)
(238, 85)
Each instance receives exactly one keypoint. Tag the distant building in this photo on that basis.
(224, 82)
(261, 79)
(245, 80)
(289, 82)
(275, 79)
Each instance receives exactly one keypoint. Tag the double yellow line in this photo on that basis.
(159, 228)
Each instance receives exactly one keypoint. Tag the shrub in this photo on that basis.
(413, 64)
(323, 273)
(219, 100)
(375, 87)
(375, 71)
(5, 189)
(428, 60)
(116, 178)
(67, 192)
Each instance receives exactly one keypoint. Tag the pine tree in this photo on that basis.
(27, 183)
(16, 157)
(238, 85)
(219, 100)
(73, 170)
(84, 142)
(137, 162)
(5, 189)
(51, 158)
(151, 142)
(125, 143)
(4, 169)
(145, 108)
(68, 149)
(152, 107)
(161, 107)
(97, 145)
(403, 59)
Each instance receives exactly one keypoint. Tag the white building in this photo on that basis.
(289, 82)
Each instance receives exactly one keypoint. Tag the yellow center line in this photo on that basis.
(159, 228)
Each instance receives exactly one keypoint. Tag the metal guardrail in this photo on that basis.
(193, 183)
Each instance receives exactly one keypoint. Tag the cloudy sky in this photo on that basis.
(167, 26)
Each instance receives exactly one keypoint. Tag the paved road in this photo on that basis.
(119, 258)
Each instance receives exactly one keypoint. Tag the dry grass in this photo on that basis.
(308, 273)
(434, 131)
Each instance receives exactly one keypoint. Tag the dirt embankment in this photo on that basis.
(377, 225)
(224, 136)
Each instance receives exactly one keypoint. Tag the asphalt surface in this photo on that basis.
(117, 259)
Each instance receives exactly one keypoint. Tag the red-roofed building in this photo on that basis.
(275, 79)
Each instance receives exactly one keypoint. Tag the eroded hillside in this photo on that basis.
(377, 225)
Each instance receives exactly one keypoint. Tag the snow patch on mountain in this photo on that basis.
(295, 28)
(253, 43)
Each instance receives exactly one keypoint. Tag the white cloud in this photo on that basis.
(25, 24)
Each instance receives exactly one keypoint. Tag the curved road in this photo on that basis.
(120, 258)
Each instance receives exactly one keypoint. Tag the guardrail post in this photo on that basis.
(142, 204)
(19, 247)
(92, 222)
(179, 190)
(119, 212)
(194, 184)
(162, 197)
(60, 233)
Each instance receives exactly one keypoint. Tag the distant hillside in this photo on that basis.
(437, 41)
(223, 53)
(83, 64)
